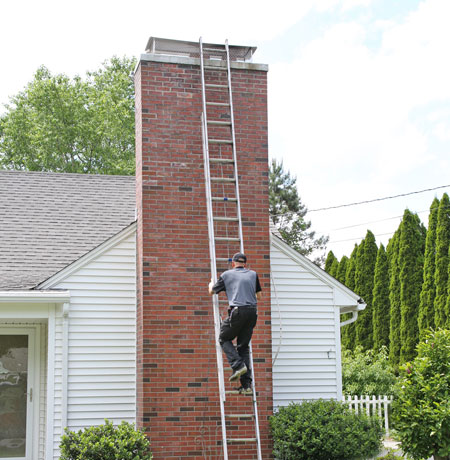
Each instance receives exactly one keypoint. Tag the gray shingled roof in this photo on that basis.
(49, 220)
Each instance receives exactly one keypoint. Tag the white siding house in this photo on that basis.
(68, 284)
(306, 307)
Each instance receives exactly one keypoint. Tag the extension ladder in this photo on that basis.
(223, 205)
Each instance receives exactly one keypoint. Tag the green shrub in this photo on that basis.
(367, 373)
(105, 442)
(390, 456)
(319, 430)
(421, 408)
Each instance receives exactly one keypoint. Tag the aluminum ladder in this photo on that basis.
(223, 206)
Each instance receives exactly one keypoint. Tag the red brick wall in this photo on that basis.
(177, 373)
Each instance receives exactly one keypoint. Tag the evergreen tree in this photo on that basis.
(428, 292)
(342, 269)
(381, 305)
(289, 213)
(329, 261)
(442, 261)
(364, 279)
(410, 261)
(334, 268)
(348, 331)
(394, 298)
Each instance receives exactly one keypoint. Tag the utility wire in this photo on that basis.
(378, 199)
(363, 202)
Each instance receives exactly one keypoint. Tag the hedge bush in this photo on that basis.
(324, 430)
(421, 408)
(105, 442)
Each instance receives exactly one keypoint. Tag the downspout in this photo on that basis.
(65, 364)
(361, 306)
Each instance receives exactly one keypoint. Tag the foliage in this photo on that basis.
(364, 281)
(421, 408)
(410, 260)
(381, 305)
(348, 331)
(318, 430)
(442, 261)
(367, 373)
(340, 275)
(288, 212)
(428, 292)
(392, 251)
(72, 125)
(105, 442)
(391, 455)
(331, 258)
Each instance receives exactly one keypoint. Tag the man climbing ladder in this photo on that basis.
(242, 288)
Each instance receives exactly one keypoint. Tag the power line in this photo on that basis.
(378, 199)
(362, 202)
(359, 238)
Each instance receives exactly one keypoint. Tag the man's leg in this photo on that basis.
(243, 340)
(229, 329)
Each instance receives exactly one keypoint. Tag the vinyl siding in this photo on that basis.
(102, 341)
(303, 333)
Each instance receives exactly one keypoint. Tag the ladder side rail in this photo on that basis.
(213, 259)
(255, 406)
(233, 137)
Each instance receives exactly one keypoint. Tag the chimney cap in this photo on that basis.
(167, 46)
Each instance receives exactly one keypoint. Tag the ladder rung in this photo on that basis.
(224, 259)
(226, 219)
(239, 415)
(224, 198)
(214, 67)
(219, 122)
(222, 179)
(214, 85)
(215, 49)
(220, 141)
(236, 392)
(219, 104)
(221, 160)
(241, 440)
(226, 238)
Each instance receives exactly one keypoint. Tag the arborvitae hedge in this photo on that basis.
(364, 278)
(342, 269)
(428, 292)
(442, 262)
(348, 331)
(394, 298)
(381, 305)
(410, 261)
(329, 261)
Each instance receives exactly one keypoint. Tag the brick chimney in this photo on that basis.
(177, 400)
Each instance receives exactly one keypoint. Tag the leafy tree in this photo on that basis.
(421, 408)
(410, 260)
(442, 261)
(367, 372)
(364, 279)
(428, 292)
(289, 213)
(329, 261)
(381, 305)
(392, 251)
(340, 275)
(76, 125)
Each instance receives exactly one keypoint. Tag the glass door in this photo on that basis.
(16, 393)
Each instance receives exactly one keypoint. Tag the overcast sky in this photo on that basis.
(359, 90)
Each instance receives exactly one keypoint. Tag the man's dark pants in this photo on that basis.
(240, 324)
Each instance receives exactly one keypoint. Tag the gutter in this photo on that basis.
(354, 311)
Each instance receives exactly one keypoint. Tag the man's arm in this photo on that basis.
(258, 288)
(216, 288)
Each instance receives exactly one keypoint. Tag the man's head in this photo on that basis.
(239, 260)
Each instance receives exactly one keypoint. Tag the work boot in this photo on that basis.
(237, 373)
(245, 390)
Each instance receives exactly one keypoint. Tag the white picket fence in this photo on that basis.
(371, 405)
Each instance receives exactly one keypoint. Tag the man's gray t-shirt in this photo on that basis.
(240, 285)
